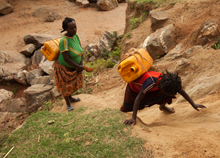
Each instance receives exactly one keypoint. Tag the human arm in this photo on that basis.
(137, 102)
(186, 96)
(67, 59)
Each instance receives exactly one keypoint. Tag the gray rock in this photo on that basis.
(5, 8)
(28, 50)
(46, 65)
(51, 73)
(44, 13)
(106, 5)
(33, 74)
(39, 39)
(41, 80)
(54, 93)
(14, 105)
(92, 58)
(83, 3)
(105, 43)
(91, 50)
(174, 53)
(158, 16)
(50, 18)
(5, 95)
(188, 52)
(21, 78)
(11, 63)
(36, 95)
(207, 30)
(37, 57)
(160, 42)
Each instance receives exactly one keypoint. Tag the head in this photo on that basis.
(69, 25)
(170, 83)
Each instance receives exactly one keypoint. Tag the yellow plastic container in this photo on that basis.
(50, 49)
(134, 66)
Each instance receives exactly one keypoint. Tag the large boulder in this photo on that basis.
(207, 31)
(28, 50)
(14, 105)
(31, 75)
(47, 14)
(36, 95)
(41, 80)
(91, 51)
(157, 19)
(160, 42)
(105, 43)
(46, 65)
(5, 8)
(5, 95)
(37, 57)
(106, 5)
(11, 63)
(39, 39)
(21, 77)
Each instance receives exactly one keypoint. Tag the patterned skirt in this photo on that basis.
(67, 79)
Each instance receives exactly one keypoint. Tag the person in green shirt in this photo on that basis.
(68, 68)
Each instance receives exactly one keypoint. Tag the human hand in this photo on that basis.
(80, 69)
(129, 122)
(196, 106)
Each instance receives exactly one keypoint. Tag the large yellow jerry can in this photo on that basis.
(135, 66)
(50, 49)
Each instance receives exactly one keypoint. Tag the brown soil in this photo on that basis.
(186, 133)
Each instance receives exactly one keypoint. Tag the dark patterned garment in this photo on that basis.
(67, 79)
(150, 86)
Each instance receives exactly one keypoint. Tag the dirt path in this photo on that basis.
(186, 133)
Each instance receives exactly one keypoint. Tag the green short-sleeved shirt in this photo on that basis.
(73, 46)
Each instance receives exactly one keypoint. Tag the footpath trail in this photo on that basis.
(186, 133)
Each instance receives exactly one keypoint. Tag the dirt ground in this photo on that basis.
(186, 133)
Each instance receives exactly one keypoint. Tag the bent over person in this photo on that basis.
(153, 88)
(68, 68)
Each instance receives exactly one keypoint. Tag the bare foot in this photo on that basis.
(167, 109)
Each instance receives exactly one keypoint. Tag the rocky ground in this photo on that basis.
(186, 133)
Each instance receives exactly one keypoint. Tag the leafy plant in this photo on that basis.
(216, 45)
(47, 106)
(135, 22)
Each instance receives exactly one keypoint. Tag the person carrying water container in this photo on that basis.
(153, 88)
(68, 68)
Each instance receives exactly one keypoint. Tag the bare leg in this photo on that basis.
(166, 109)
(68, 103)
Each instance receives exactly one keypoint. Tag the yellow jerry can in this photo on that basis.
(50, 49)
(135, 65)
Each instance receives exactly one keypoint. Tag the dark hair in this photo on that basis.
(65, 22)
(170, 83)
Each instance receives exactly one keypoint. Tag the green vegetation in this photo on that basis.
(146, 1)
(135, 22)
(107, 60)
(74, 134)
(216, 45)
(15, 89)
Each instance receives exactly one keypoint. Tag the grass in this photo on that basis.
(135, 22)
(75, 134)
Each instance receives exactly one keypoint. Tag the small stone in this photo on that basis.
(51, 122)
